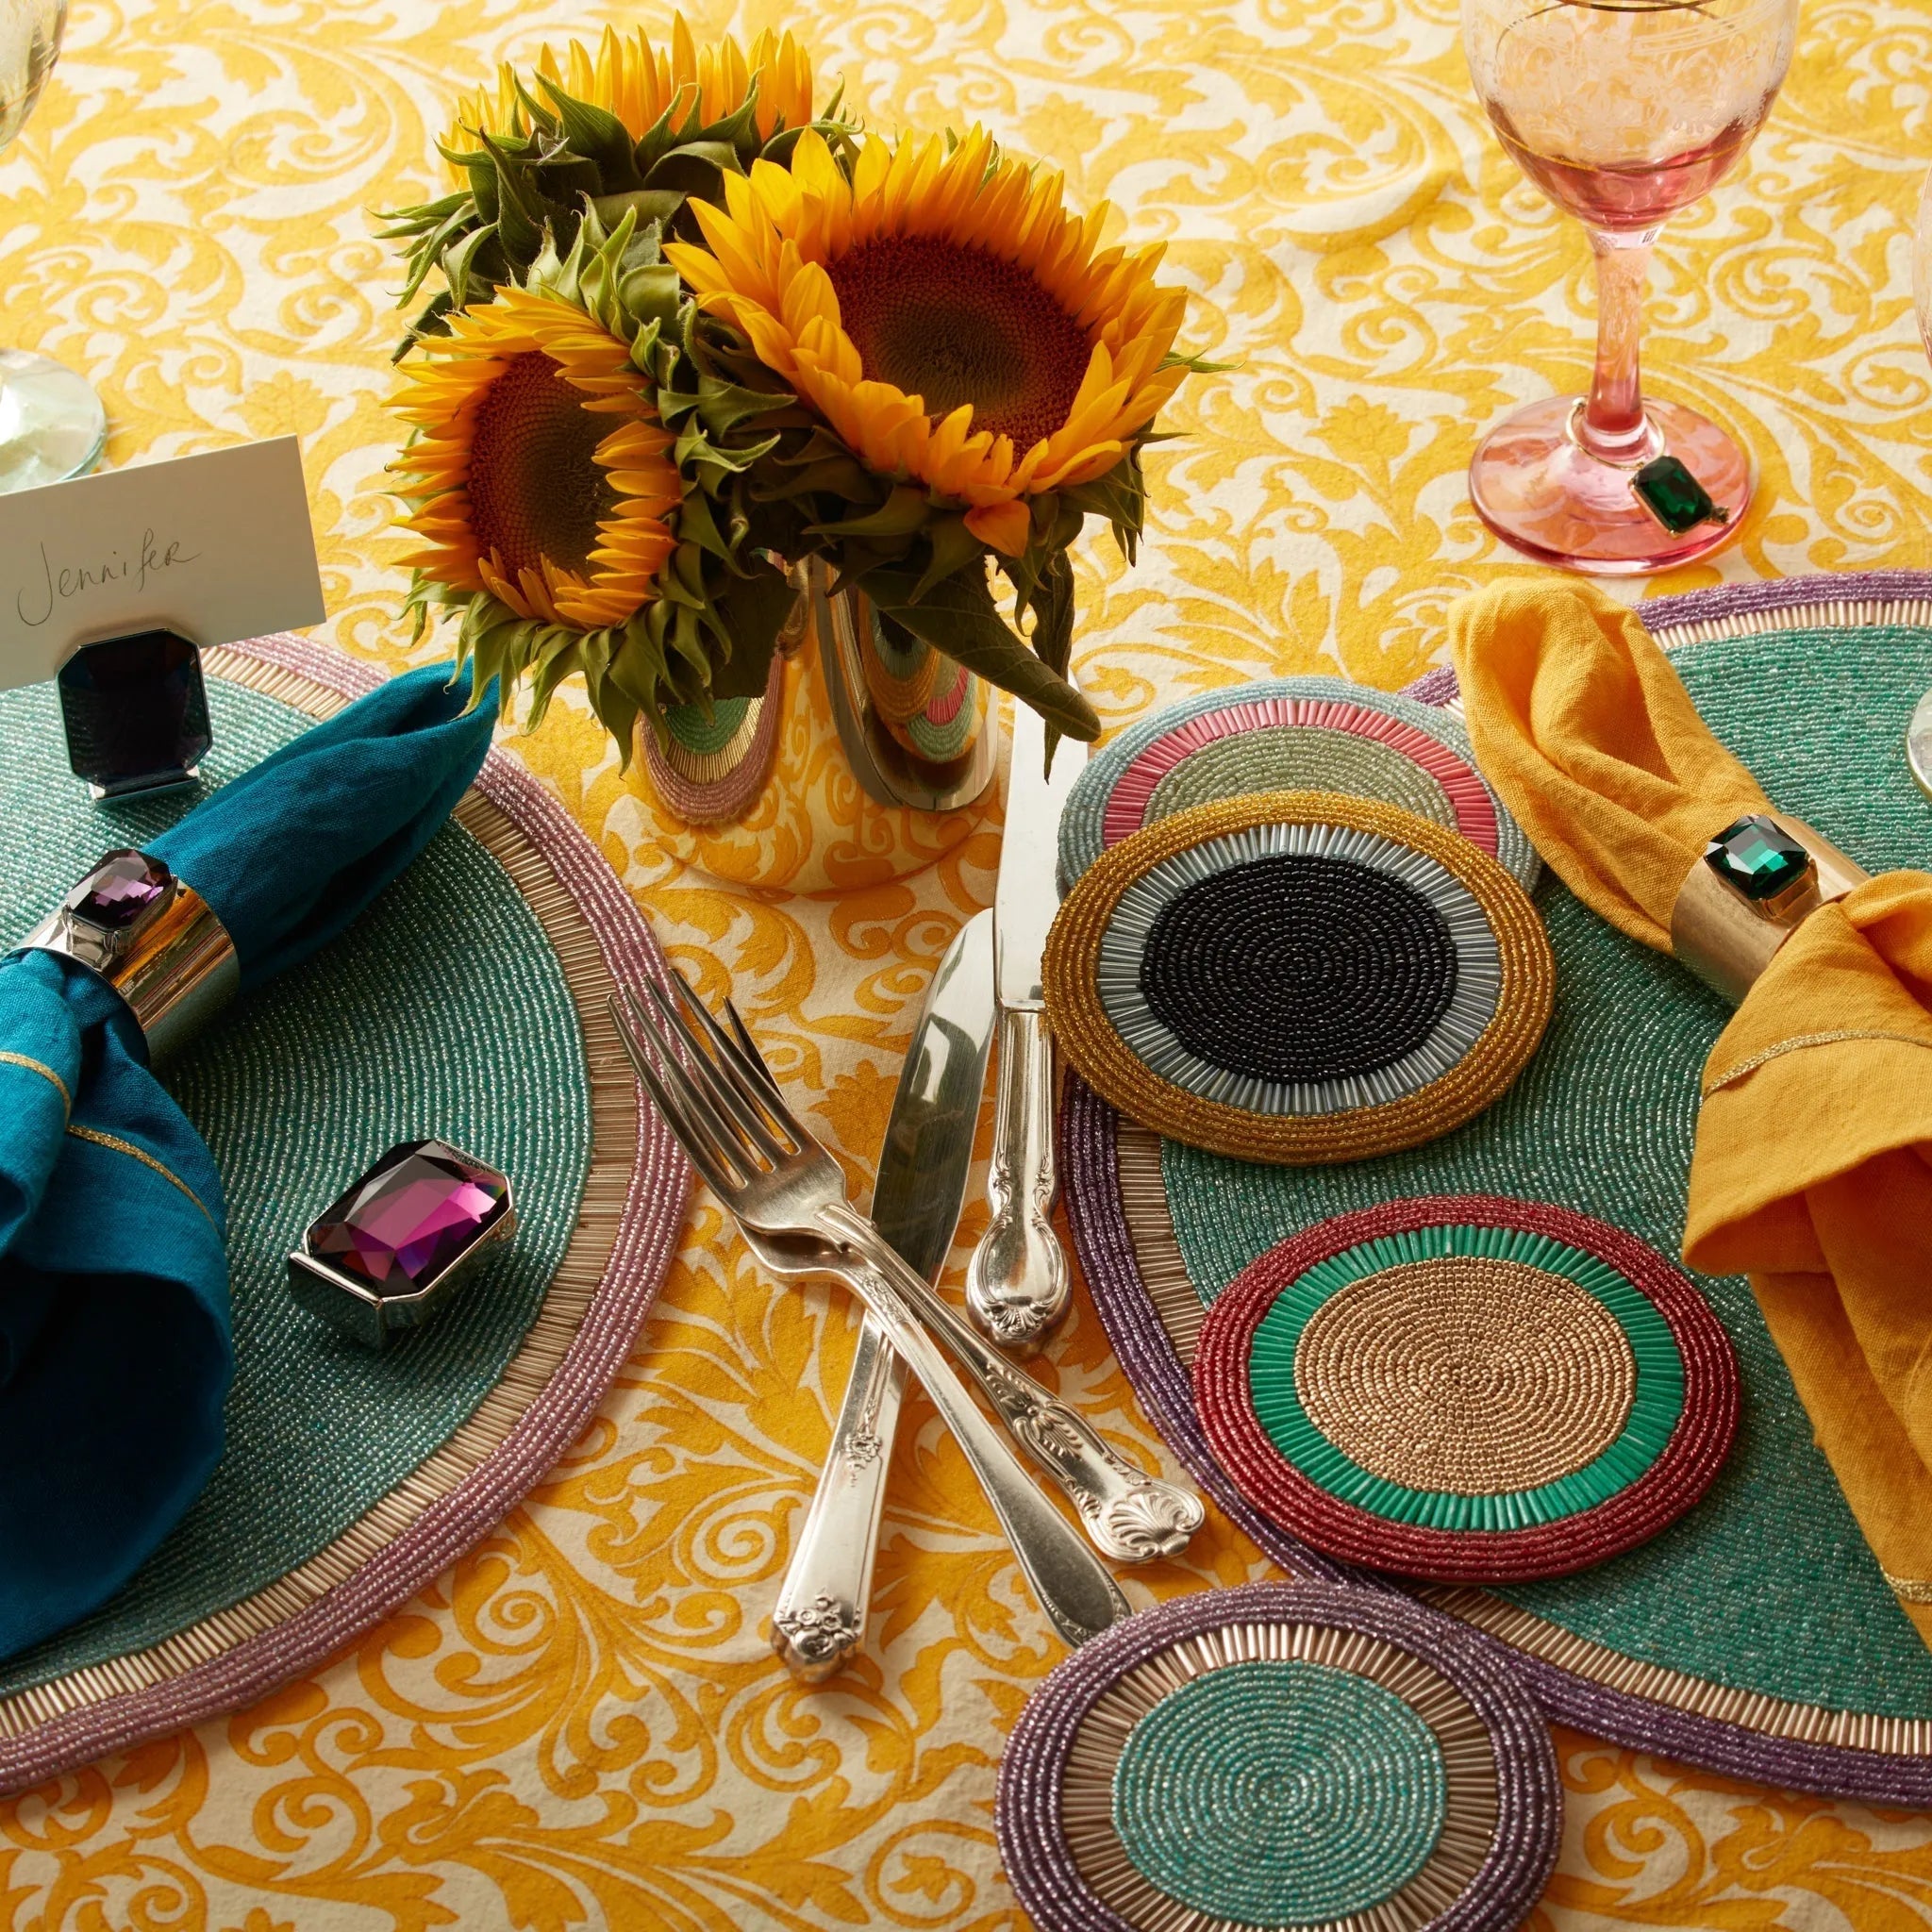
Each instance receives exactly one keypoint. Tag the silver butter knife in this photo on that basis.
(1017, 1283)
(915, 1205)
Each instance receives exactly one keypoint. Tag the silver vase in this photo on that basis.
(919, 730)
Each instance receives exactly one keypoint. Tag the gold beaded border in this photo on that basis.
(1118, 1075)
(1093, 1754)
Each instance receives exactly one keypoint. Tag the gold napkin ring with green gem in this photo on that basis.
(1749, 890)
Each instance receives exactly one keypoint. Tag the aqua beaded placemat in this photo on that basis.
(1756, 1633)
(442, 1011)
(469, 1001)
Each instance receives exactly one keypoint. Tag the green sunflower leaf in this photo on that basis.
(953, 546)
(597, 135)
(958, 617)
(725, 404)
(904, 513)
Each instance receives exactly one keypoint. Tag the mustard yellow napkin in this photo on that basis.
(1812, 1172)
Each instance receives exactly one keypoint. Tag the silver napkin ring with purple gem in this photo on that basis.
(153, 937)
(384, 1255)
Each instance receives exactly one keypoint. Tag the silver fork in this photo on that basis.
(1128, 1515)
(790, 1202)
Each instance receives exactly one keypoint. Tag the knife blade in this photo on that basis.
(1017, 1283)
(819, 1618)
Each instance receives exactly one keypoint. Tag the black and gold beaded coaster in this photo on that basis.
(1298, 977)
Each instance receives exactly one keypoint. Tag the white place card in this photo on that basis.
(217, 547)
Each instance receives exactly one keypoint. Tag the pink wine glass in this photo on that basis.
(1622, 111)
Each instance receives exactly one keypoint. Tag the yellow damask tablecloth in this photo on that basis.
(581, 1724)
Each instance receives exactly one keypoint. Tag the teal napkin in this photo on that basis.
(114, 1337)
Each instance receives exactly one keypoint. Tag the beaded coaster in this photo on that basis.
(1467, 1389)
(1298, 977)
(1279, 1754)
(1289, 734)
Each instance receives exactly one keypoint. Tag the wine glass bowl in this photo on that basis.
(1622, 111)
(52, 426)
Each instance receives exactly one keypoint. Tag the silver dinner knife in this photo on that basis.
(1017, 1283)
(915, 1205)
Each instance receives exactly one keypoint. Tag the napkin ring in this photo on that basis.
(384, 1255)
(1755, 883)
(153, 937)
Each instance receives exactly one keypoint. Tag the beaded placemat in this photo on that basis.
(1288, 734)
(1298, 977)
(1754, 1635)
(350, 1480)
(1467, 1389)
(1279, 1756)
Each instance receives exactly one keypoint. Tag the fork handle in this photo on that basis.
(820, 1614)
(1073, 1586)
(1131, 1516)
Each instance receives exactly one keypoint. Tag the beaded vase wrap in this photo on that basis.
(1756, 1636)
(1467, 1389)
(1279, 1756)
(1288, 734)
(469, 999)
(1298, 977)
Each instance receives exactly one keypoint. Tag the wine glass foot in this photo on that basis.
(52, 424)
(1540, 490)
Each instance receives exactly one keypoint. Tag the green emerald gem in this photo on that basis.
(1674, 497)
(1757, 858)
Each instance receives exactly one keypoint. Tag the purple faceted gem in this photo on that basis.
(128, 885)
(420, 1207)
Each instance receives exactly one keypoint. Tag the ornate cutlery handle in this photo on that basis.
(1076, 1593)
(821, 1613)
(1017, 1282)
(1131, 1516)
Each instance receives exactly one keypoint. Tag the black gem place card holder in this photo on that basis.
(113, 584)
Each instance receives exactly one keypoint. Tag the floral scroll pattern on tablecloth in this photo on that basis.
(581, 1724)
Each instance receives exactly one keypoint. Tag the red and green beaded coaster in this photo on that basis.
(1467, 1389)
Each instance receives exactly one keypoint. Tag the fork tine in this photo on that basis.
(698, 1150)
(696, 1103)
(716, 1078)
(742, 1056)
(754, 1065)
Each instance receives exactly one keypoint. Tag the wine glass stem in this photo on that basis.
(1612, 425)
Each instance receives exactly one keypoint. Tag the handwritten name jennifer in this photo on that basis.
(74, 580)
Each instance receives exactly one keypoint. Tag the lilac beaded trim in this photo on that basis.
(1530, 1815)
(1089, 1169)
(646, 1242)
(1854, 598)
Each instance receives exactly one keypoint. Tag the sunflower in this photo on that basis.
(538, 471)
(618, 126)
(576, 485)
(639, 84)
(951, 322)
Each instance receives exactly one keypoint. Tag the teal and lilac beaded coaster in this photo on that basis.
(1279, 1756)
